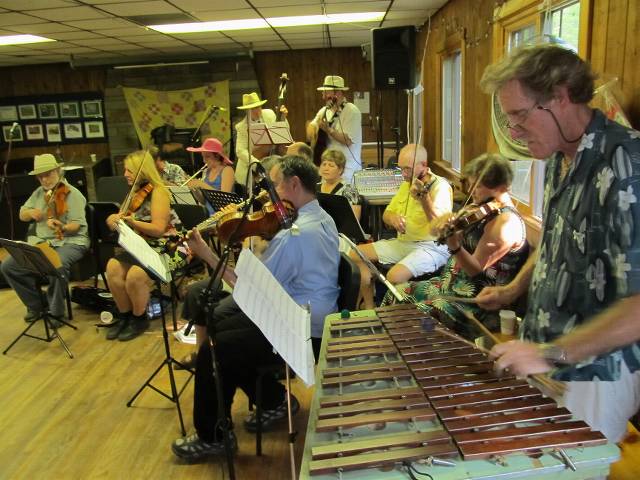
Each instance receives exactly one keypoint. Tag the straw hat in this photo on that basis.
(251, 100)
(212, 145)
(333, 82)
(44, 163)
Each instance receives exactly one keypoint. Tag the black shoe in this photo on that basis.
(32, 315)
(192, 448)
(269, 417)
(134, 328)
(116, 328)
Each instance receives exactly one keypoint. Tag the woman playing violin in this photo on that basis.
(487, 243)
(58, 211)
(150, 215)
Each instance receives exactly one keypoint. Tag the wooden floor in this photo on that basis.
(68, 419)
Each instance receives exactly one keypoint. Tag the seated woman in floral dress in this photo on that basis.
(489, 251)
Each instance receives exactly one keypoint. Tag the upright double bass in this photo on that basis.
(261, 151)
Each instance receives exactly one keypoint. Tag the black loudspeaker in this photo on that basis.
(393, 57)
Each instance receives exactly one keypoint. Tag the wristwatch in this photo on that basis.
(555, 354)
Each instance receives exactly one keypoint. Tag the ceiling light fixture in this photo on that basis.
(22, 39)
(163, 64)
(248, 24)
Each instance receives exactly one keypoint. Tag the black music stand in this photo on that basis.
(219, 199)
(34, 260)
(340, 210)
(168, 360)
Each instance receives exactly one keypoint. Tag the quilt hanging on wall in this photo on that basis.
(183, 109)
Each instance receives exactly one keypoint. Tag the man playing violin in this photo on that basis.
(252, 105)
(422, 197)
(584, 280)
(304, 259)
(486, 240)
(58, 211)
(150, 215)
(341, 123)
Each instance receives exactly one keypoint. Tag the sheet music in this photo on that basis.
(286, 324)
(147, 256)
(182, 195)
(275, 134)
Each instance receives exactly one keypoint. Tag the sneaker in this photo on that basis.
(134, 328)
(269, 417)
(192, 448)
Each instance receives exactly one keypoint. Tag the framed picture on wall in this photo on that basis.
(53, 133)
(8, 113)
(17, 133)
(34, 132)
(69, 110)
(73, 130)
(27, 112)
(92, 108)
(94, 129)
(48, 110)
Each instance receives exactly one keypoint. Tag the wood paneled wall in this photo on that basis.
(613, 52)
(307, 69)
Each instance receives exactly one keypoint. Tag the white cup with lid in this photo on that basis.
(507, 322)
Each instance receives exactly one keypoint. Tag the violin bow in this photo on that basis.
(127, 201)
(476, 183)
(413, 169)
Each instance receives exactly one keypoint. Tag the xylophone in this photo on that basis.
(397, 391)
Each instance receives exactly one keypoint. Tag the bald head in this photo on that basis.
(300, 149)
(406, 160)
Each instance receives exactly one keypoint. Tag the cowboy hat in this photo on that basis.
(251, 100)
(44, 163)
(212, 145)
(333, 82)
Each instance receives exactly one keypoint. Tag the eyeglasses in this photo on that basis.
(520, 117)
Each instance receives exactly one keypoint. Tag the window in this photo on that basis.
(522, 21)
(451, 109)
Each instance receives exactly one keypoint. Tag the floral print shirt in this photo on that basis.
(589, 253)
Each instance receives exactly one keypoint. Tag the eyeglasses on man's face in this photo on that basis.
(517, 118)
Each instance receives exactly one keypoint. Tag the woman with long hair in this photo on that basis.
(150, 215)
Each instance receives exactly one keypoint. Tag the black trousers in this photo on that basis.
(240, 349)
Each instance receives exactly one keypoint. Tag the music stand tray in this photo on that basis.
(219, 199)
(33, 259)
(340, 210)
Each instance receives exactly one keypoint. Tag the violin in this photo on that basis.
(210, 225)
(467, 217)
(139, 197)
(235, 226)
(56, 199)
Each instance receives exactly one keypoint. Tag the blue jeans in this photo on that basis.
(24, 281)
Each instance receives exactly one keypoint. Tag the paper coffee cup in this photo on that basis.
(93, 157)
(106, 317)
(507, 322)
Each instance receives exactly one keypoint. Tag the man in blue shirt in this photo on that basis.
(584, 279)
(304, 259)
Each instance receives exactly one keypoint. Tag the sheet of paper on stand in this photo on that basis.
(285, 323)
(276, 134)
(182, 195)
(147, 256)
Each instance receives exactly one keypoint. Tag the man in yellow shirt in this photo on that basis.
(422, 198)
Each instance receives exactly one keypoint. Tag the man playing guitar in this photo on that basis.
(337, 126)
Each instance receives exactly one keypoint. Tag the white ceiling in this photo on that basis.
(102, 32)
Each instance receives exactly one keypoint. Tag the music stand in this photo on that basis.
(157, 270)
(33, 259)
(219, 199)
(182, 195)
(340, 210)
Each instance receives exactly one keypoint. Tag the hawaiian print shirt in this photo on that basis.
(173, 174)
(590, 246)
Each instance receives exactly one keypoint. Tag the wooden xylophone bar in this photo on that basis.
(486, 415)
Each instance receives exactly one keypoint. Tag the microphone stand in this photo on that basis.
(4, 184)
(205, 116)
